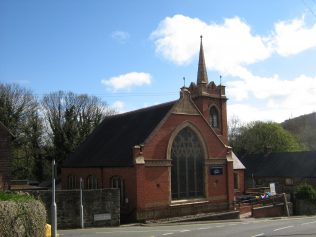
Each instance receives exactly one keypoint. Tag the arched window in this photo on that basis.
(118, 182)
(187, 172)
(92, 182)
(71, 182)
(214, 117)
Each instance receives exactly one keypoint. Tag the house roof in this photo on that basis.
(281, 164)
(110, 144)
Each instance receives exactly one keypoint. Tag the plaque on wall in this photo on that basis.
(216, 170)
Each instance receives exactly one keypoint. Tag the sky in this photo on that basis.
(134, 54)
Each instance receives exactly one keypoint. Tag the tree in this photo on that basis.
(19, 111)
(71, 118)
(260, 137)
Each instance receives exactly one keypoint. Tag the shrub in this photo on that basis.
(305, 191)
(17, 197)
(21, 216)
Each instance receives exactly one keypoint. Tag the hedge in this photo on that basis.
(306, 192)
(22, 218)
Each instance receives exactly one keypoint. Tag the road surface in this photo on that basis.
(293, 226)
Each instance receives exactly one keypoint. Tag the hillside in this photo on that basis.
(304, 127)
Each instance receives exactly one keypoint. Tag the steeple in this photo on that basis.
(202, 74)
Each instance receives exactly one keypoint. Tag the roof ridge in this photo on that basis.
(140, 109)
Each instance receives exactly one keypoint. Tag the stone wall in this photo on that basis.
(101, 207)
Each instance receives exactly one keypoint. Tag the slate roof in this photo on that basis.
(111, 143)
(281, 164)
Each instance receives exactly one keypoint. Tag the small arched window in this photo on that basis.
(214, 117)
(118, 182)
(71, 182)
(92, 182)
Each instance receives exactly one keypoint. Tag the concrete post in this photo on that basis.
(53, 206)
(286, 205)
(81, 206)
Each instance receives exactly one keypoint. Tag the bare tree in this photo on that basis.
(71, 118)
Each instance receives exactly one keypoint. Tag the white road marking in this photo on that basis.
(307, 223)
(204, 228)
(282, 228)
(261, 234)
(219, 226)
(185, 230)
(232, 224)
(168, 233)
(131, 231)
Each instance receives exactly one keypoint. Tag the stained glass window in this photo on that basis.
(187, 176)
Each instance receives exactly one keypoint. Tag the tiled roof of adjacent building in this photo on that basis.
(111, 143)
(281, 164)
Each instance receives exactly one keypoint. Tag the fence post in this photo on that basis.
(286, 205)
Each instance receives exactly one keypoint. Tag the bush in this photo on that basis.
(305, 191)
(21, 216)
(17, 197)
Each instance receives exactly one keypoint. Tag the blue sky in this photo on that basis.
(134, 54)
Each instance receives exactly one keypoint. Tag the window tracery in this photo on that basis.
(187, 178)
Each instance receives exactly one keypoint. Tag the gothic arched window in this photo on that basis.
(214, 117)
(92, 182)
(118, 182)
(187, 172)
(71, 180)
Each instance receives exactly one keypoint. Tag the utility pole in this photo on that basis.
(81, 206)
(53, 206)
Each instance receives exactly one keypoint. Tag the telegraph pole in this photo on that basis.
(81, 206)
(53, 206)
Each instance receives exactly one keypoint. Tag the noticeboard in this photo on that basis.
(216, 170)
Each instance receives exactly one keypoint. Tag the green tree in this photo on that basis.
(260, 137)
(19, 111)
(71, 118)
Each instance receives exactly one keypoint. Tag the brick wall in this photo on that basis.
(271, 210)
(95, 202)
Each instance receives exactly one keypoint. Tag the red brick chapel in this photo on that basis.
(167, 160)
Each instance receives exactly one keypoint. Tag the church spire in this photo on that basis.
(202, 74)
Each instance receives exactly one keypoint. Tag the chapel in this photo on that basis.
(168, 160)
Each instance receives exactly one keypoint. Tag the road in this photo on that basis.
(293, 226)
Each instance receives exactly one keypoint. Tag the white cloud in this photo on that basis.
(120, 36)
(226, 46)
(230, 47)
(276, 99)
(127, 81)
(294, 37)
